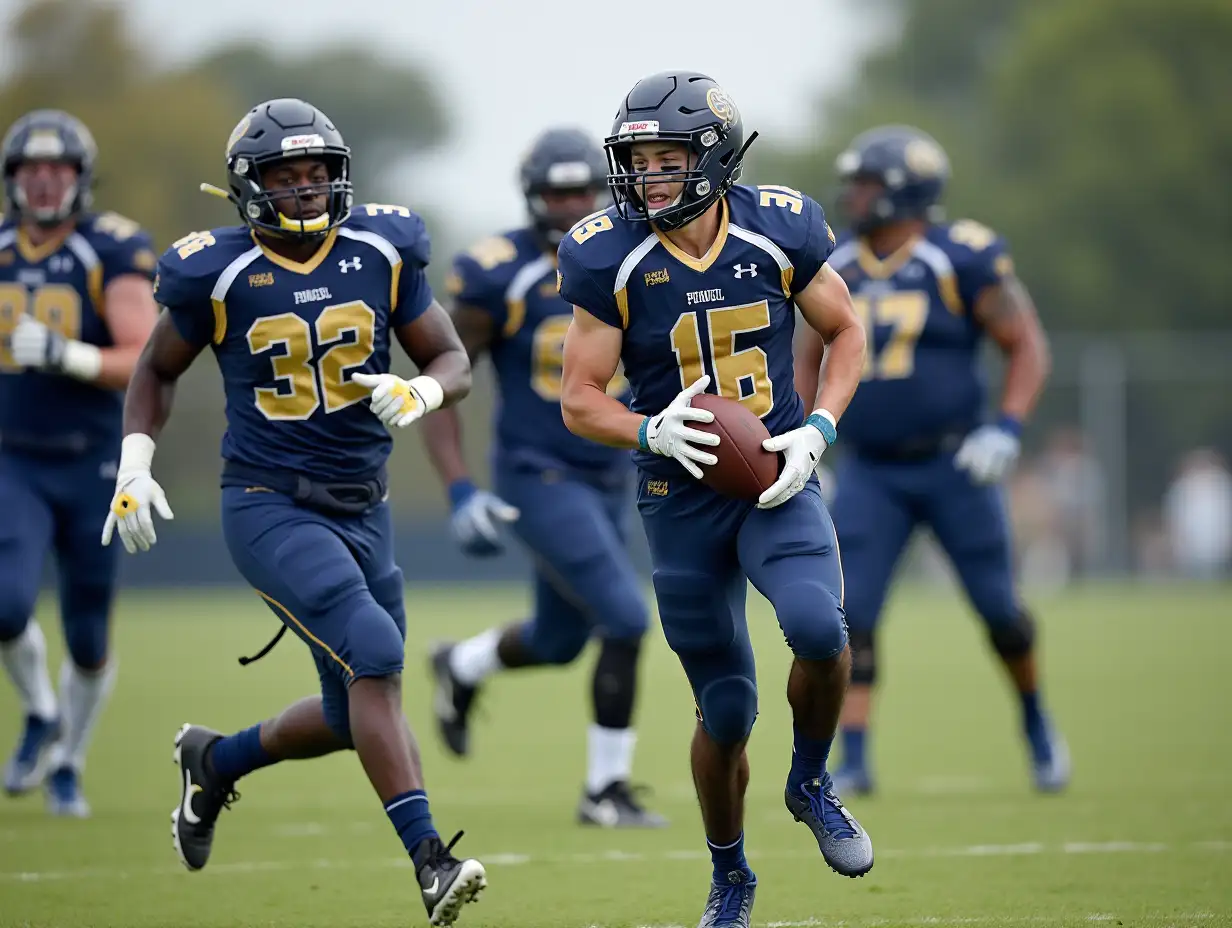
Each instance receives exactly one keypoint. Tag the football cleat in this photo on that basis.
(1050, 764)
(202, 798)
(851, 781)
(64, 796)
(845, 845)
(730, 904)
(445, 882)
(451, 702)
(27, 766)
(618, 806)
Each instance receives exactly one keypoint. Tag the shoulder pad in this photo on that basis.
(121, 244)
(602, 240)
(116, 227)
(187, 270)
(401, 226)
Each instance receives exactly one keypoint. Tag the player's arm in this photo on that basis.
(591, 356)
(810, 353)
(826, 306)
(442, 430)
(432, 343)
(131, 317)
(1007, 313)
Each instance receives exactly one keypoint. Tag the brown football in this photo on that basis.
(745, 469)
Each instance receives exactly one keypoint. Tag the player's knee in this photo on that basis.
(336, 708)
(87, 608)
(812, 621)
(13, 621)
(727, 708)
(615, 681)
(556, 645)
(374, 643)
(622, 613)
(863, 657)
(1013, 638)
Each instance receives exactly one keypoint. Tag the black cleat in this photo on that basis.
(203, 796)
(618, 806)
(451, 702)
(445, 882)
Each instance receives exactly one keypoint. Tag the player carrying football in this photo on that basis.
(300, 305)
(692, 281)
(76, 305)
(929, 292)
(566, 497)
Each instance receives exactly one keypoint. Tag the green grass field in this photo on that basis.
(1136, 677)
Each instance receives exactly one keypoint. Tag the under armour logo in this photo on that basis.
(751, 270)
(349, 264)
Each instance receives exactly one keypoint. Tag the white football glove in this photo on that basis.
(136, 495)
(398, 402)
(475, 519)
(802, 448)
(987, 454)
(668, 435)
(35, 345)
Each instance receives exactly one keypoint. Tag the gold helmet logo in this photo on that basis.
(924, 157)
(722, 105)
(238, 132)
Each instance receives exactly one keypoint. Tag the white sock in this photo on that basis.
(82, 695)
(25, 658)
(610, 756)
(475, 659)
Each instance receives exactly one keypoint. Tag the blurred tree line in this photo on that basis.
(1096, 135)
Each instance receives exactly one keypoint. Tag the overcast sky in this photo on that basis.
(509, 68)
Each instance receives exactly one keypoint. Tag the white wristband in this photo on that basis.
(429, 391)
(826, 414)
(136, 453)
(81, 360)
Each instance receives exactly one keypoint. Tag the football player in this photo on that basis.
(565, 497)
(929, 292)
(301, 305)
(693, 282)
(76, 305)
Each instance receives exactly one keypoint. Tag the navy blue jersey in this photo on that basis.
(922, 376)
(288, 336)
(511, 279)
(730, 314)
(61, 284)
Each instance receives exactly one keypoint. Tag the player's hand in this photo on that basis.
(987, 454)
(802, 448)
(476, 516)
(137, 494)
(35, 345)
(669, 435)
(398, 402)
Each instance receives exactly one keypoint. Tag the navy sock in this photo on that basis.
(727, 858)
(409, 814)
(1032, 714)
(853, 748)
(808, 760)
(240, 754)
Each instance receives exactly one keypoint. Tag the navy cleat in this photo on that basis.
(64, 796)
(445, 882)
(730, 904)
(853, 781)
(451, 702)
(1050, 765)
(203, 796)
(618, 806)
(27, 766)
(845, 846)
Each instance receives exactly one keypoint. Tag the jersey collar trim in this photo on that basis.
(36, 254)
(300, 267)
(702, 264)
(881, 268)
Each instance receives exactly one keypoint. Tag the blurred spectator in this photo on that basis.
(1198, 515)
(1043, 559)
(1076, 483)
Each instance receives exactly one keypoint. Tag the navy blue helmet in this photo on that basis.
(562, 161)
(49, 135)
(277, 131)
(911, 167)
(676, 106)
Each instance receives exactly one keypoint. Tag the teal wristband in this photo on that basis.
(822, 424)
(641, 434)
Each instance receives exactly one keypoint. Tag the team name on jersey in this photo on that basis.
(704, 296)
(311, 296)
